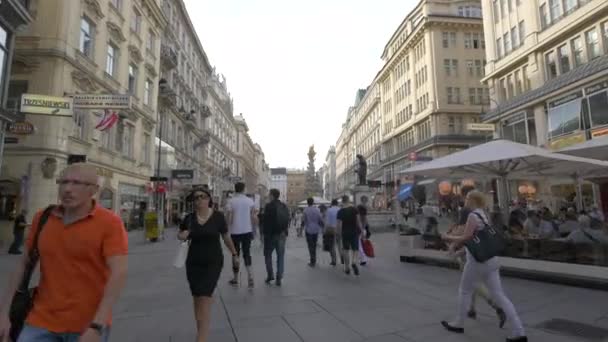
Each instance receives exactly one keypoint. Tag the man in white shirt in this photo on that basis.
(330, 230)
(242, 217)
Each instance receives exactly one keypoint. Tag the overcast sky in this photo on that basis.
(293, 67)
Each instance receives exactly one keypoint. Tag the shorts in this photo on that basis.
(350, 242)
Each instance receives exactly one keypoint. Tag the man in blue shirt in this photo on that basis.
(330, 234)
(313, 225)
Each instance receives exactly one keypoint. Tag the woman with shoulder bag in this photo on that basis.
(203, 228)
(475, 271)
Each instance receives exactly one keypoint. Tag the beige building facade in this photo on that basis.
(547, 72)
(296, 187)
(420, 103)
(87, 47)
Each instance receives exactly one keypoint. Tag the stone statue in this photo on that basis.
(361, 170)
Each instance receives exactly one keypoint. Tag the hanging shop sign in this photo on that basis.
(102, 101)
(20, 128)
(182, 174)
(47, 105)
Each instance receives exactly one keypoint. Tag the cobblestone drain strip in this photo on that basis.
(575, 329)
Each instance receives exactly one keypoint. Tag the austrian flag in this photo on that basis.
(107, 121)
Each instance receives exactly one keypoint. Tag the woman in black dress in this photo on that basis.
(203, 229)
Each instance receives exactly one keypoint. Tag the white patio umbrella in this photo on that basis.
(506, 160)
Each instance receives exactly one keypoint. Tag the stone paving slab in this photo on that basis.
(390, 302)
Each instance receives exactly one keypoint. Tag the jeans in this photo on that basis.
(488, 273)
(33, 334)
(311, 241)
(17, 242)
(272, 243)
(242, 242)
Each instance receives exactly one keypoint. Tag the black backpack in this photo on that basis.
(282, 217)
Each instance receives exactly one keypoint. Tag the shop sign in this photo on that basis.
(596, 87)
(20, 127)
(562, 100)
(11, 140)
(182, 174)
(102, 101)
(558, 144)
(600, 132)
(481, 127)
(48, 105)
(101, 172)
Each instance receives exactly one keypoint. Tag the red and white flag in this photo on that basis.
(107, 121)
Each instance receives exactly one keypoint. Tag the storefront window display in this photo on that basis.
(132, 198)
(520, 128)
(564, 117)
(106, 199)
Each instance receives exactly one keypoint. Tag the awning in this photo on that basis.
(405, 192)
(596, 148)
(427, 181)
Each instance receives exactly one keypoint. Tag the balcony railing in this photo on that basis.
(168, 57)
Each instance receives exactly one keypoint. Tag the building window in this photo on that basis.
(605, 34)
(472, 96)
(146, 151)
(132, 79)
(507, 42)
(151, 42)
(544, 16)
(554, 9)
(468, 43)
(115, 4)
(518, 83)
(87, 37)
(445, 39)
(148, 92)
(127, 140)
(569, 6)
(453, 95)
(514, 38)
(593, 44)
(80, 123)
(479, 68)
(564, 58)
(499, 47)
(578, 50)
(526, 80)
(450, 66)
(564, 119)
(136, 22)
(551, 65)
(496, 11)
(598, 107)
(470, 67)
(111, 59)
(522, 33)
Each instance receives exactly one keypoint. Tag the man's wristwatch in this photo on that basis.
(97, 327)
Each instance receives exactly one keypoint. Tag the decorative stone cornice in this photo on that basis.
(147, 124)
(83, 81)
(94, 8)
(129, 115)
(154, 12)
(135, 54)
(151, 70)
(115, 32)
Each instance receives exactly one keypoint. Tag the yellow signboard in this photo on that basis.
(559, 143)
(151, 225)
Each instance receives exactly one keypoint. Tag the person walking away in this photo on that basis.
(313, 226)
(487, 272)
(349, 225)
(242, 218)
(480, 290)
(203, 229)
(83, 265)
(365, 233)
(18, 233)
(276, 229)
(330, 230)
(299, 223)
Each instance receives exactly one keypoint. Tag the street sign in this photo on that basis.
(48, 105)
(182, 174)
(481, 127)
(158, 179)
(102, 101)
(20, 127)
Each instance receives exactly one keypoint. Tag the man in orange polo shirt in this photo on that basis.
(83, 264)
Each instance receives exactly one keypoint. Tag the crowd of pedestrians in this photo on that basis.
(82, 251)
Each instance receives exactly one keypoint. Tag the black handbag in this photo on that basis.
(23, 299)
(486, 243)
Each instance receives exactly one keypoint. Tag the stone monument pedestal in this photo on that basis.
(362, 195)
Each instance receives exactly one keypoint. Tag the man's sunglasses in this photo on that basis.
(197, 197)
